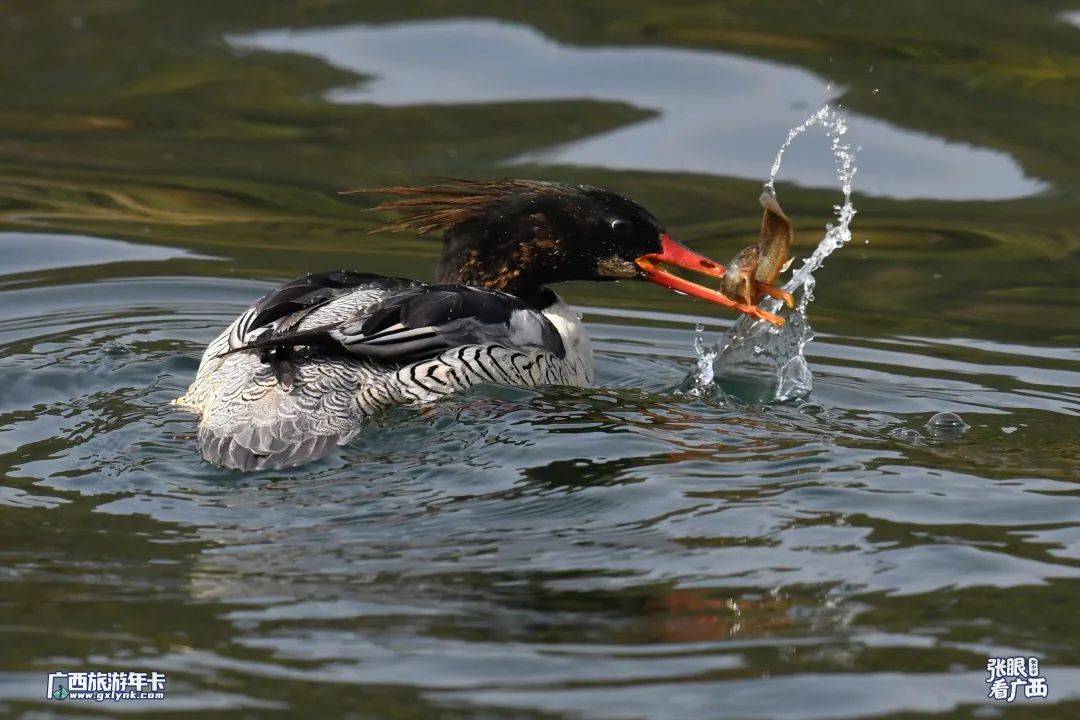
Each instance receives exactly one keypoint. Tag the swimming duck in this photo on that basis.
(300, 370)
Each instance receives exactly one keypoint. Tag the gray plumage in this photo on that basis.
(297, 374)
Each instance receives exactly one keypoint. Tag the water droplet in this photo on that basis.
(947, 425)
(706, 356)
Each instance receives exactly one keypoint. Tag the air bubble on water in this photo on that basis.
(947, 425)
(907, 435)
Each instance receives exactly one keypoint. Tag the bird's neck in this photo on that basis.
(575, 338)
(518, 264)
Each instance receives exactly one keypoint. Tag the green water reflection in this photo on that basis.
(138, 121)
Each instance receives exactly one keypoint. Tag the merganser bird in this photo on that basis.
(299, 371)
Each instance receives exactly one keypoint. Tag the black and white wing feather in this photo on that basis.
(294, 305)
(416, 323)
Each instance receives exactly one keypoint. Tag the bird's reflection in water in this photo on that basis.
(684, 615)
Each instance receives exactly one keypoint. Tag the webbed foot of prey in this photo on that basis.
(777, 293)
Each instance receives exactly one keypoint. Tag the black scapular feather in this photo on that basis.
(416, 323)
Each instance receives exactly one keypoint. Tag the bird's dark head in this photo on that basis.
(519, 235)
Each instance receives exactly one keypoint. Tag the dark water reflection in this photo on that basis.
(628, 551)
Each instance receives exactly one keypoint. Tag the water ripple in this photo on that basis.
(645, 533)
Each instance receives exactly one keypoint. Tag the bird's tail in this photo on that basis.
(250, 420)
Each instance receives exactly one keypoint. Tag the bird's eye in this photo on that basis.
(622, 229)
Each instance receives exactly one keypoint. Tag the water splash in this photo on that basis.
(706, 356)
(754, 351)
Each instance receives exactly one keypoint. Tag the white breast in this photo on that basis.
(579, 352)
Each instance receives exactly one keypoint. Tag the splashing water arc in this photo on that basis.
(754, 349)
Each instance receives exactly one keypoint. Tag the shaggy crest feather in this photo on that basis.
(440, 207)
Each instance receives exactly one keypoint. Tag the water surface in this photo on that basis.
(713, 113)
(627, 551)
